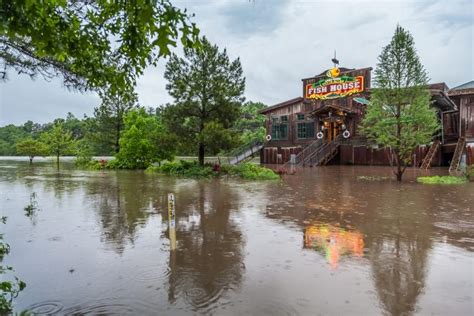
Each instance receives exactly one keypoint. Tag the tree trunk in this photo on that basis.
(57, 160)
(399, 171)
(117, 138)
(399, 175)
(399, 135)
(201, 154)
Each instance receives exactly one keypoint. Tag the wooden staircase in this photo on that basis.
(454, 168)
(430, 155)
(324, 153)
(305, 154)
(245, 154)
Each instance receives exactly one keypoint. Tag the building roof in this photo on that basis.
(467, 85)
(280, 105)
(330, 107)
(466, 88)
(438, 86)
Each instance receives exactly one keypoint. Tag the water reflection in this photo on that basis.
(318, 241)
(399, 246)
(123, 202)
(208, 261)
(334, 242)
(393, 231)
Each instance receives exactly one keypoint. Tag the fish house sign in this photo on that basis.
(334, 86)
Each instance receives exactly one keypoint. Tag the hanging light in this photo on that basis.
(343, 126)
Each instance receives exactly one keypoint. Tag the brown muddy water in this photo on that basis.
(323, 241)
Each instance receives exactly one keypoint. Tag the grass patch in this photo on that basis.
(372, 178)
(191, 169)
(441, 180)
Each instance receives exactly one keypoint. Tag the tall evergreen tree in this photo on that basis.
(207, 88)
(108, 122)
(399, 116)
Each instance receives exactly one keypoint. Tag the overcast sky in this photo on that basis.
(279, 42)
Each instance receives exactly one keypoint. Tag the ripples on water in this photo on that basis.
(321, 241)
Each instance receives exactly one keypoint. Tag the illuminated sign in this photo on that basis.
(334, 86)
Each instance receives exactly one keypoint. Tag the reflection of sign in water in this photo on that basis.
(334, 242)
(334, 87)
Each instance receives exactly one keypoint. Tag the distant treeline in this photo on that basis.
(102, 131)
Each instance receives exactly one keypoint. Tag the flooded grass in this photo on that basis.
(441, 180)
(321, 241)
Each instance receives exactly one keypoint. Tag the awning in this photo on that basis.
(323, 111)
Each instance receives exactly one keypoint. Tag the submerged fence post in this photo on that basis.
(172, 221)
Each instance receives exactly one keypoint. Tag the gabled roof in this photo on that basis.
(280, 105)
(329, 107)
(467, 85)
(466, 88)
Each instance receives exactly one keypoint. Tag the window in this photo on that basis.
(279, 131)
(306, 130)
(284, 118)
(300, 117)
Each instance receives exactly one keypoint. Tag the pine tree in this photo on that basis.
(399, 116)
(208, 91)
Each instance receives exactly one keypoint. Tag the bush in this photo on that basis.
(115, 164)
(189, 169)
(194, 170)
(255, 172)
(441, 180)
(470, 172)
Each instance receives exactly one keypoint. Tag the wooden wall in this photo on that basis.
(464, 99)
(349, 155)
(291, 111)
(277, 155)
(451, 127)
(466, 116)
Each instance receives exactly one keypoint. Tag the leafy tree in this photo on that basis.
(74, 125)
(207, 88)
(59, 141)
(145, 140)
(251, 124)
(108, 122)
(91, 44)
(32, 129)
(399, 116)
(31, 148)
(217, 137)
(9, 136)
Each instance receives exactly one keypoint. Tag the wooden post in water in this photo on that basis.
(172, 221)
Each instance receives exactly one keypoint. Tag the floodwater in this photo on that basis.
(323, 241)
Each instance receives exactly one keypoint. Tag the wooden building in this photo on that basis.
(321, 126)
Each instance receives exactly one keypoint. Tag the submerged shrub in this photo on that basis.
(189, 169)
(470, 172)
(255, 172)
(192, 169)
(441, 180)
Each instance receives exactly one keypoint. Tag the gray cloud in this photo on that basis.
(243, 18)
(279, 42)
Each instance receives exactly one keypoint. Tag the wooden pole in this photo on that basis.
(172, 221)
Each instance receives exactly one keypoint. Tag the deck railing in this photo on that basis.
(245, 153)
